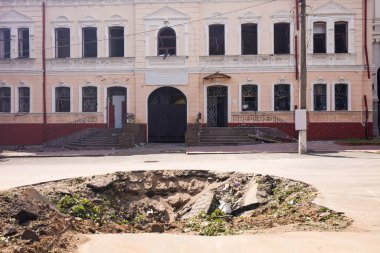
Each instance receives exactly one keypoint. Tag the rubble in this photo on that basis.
(44, 218)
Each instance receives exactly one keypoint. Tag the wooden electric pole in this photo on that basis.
(302, 134)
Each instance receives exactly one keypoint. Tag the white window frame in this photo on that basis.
(291, 95)
(116, 20)
(61, 84)
(12, 100)
(249, 18)
(328, 95)
(241, 96)
(216, 18)
(349, 100)
(86, 23)
(23, 85)
(283, 17)
(61, 22)
(88, 84)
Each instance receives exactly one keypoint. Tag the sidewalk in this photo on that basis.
(159, 148)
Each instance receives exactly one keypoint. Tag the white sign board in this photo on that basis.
(301, 120)
(167, 78)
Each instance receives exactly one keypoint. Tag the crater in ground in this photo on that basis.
(46, 217)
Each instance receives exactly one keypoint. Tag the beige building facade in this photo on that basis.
(167, 64)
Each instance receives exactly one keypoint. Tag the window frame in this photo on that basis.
(347, 39)
(258, 98)
(289, 38)
(20, 55)
(91, 41)
(290, 94)
(327, 94)
(19, 99)
(209, 39)
(325, 36)
(109, 28)
(56, 51)
(10, 99)
(82, 98)
(348, 96)
(7, 55)
(54, 97)
(242, 40)
(173, 37)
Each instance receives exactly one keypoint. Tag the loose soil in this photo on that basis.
(48, 216)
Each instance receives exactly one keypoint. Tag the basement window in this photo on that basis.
(249, 39)
(90, 43)
(5, 99)
(341, 37)
(5, 43)
(319, 37)
(24, 99)
(167, 41)
(282, 38)
(341, 97)
(116, 41)
(62, 43)
(89, 99)
(62, 99)
(216, 40)
(249, 97)
(320, 98)
(282, 97)
(23, 43)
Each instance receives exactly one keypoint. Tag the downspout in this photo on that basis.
(296, 38)
(365, 38)
(44, 71)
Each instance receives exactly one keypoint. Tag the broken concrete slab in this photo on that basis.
(206, 202)
(250, 196)
(101, 184)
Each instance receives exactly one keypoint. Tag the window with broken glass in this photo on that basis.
(166, 41)
(90, 43)
(282, 97)
(341, 37)
(5, 99)
(5, 43)
(320, 97)
(23, 43)
(62, 43)
(116, 41)
(24, 99)
(319, 38)
(216, 40)
(62, 99)
(282, 38)
(249, 39)
(89, 99)
(249, 97)
(341, 97)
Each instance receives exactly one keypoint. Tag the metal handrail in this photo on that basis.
(255, 117)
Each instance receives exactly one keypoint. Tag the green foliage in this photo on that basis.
(209, 225)
(80, 207)
(139, 219)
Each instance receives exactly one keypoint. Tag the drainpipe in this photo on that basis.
(296, 38)
(44, 71)
(365, 38)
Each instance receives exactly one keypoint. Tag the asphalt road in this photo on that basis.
(347, 182)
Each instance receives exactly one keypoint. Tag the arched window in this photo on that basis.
(249, 97)
(167, 41)
(282, 97)
(89, 99)
(319, 97)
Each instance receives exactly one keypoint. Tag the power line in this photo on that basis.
(154, 30)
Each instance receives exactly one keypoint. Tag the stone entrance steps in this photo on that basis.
(100, 138)
(225, 136)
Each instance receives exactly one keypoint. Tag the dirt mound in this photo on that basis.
(45, 217)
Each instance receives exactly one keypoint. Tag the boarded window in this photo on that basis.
(90, 43)
(116, 41)
(5, 99)
(62, 42)
(341, 97)
(62, 99)
(319, 37)
(282, 97)
(282, 38)
(249, 97)
(23, 43)
(166, 42)
(216, 40)
(5, 43)
(248, 39)
(341, 37)
(320, 98)
(89, 99)
(24, 99)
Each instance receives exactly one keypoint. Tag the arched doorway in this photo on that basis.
(117, 106)
(217, 106)
(167, 116)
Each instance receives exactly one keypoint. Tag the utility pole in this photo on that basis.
(301, 115)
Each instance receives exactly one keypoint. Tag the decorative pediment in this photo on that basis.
(331, 8)
(62, 19)
(167, 13)
(115, 18)
(281, 14)
(249, 17)
(15, 17)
